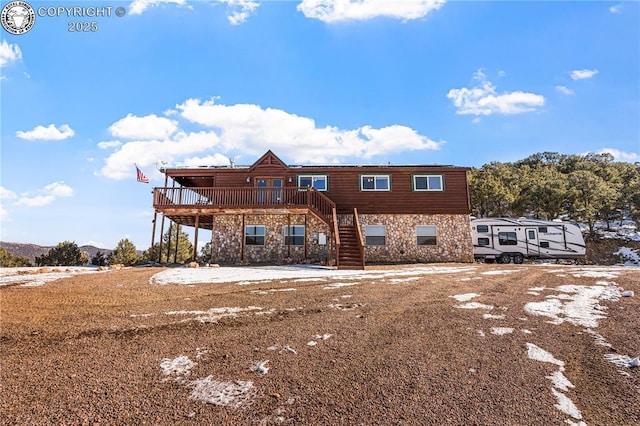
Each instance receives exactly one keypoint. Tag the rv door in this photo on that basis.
(533, 245)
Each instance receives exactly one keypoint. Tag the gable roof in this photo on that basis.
(270, 160)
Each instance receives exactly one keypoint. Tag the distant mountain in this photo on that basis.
(30, 251)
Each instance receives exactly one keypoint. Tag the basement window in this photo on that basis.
(375, 183)
(254, 235)
(294, 235)
(375, 235)
(426, 235)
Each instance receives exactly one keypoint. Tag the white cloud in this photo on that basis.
(7, 194)
(564, 89)
(209, 160)
(628, 157)
(9, 53)
(120, 164)
(239, 10)
(4, 214)
(250, 129)
(58, 189)
(483, 99)
(46, 195)
(583, 74)
(109, 144)
(50, 133)
(36, 201)
(136, 7)
(146, 128)
(615, 9)
(330, 11)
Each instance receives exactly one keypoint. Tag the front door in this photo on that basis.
(271, 192)
(533, 245)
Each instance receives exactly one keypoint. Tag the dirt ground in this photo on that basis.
(100, 348)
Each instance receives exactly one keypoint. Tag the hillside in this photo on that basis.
(30, 251)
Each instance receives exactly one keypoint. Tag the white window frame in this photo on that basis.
(428, 177)
(286, 230)
(313, 180)
(375, 182)
(425, 231)
(372, 231)
(264, 235)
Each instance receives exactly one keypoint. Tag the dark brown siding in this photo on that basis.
(344, 186)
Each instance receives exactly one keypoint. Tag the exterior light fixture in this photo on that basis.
(248, 179)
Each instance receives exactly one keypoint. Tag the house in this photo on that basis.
(271, 212)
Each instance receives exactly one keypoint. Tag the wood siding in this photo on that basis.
(344, 185)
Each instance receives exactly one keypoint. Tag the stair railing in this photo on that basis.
(336, 234)
(356, 223)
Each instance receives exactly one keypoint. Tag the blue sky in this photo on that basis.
(317, 81)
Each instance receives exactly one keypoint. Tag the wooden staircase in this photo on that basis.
(350, 255)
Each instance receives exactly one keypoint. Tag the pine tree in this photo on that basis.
(125, 253)
(65, 253)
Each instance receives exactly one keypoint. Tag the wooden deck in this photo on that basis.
(183, 203)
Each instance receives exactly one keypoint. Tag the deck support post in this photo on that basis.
(242, 240)
(175, 254)
(169, 243)
(161, 238)
(195, 242)
(153, 235)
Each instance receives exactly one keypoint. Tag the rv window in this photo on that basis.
(507, 238)
(483, 241)
(542, 229)
(544, 244)
(532, 235)
(482, 228)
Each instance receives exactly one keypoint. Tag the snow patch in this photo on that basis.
(580, 306)
(566, 405)
(474, 305)
(464, 297)
(491, 316)
(538, 354)
(177, 368)
(227, 394)
(501, 330)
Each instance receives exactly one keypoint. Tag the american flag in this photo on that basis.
(141, 176)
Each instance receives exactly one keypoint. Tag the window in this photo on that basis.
(427, 183)
(254, 235)
(426, 235)
(318, 182)
(542, 229)
(544, 244)
(375, 235)
(532, 234)
(483, 228)
(483, 241)
(294, 235)
(375, 183)
(507, 239)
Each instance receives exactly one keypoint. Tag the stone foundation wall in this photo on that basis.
(453, 240)
(228, 234)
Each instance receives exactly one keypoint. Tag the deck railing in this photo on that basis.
(259, 198)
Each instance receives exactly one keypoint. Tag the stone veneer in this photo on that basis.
(228, 234)
(453, 239)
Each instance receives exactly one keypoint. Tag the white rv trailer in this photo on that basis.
(505, 240)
